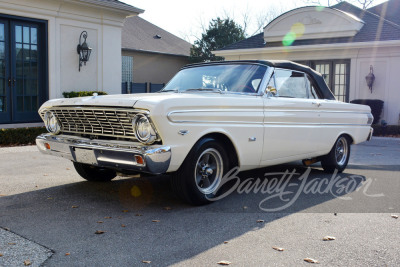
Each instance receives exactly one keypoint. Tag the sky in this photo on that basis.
(187, 19)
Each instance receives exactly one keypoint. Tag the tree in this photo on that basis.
(220, 33)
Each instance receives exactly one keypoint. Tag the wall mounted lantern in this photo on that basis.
(83, 50)
(370, 78)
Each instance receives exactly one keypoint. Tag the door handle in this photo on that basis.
(316, 103)
(11, 82)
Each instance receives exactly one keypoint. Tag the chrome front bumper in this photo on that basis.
(119, 155)
(371, 132)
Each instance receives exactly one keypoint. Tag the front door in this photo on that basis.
(23, 72)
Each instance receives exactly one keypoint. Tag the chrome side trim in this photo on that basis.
(315, 124)
(110, 154)
(212, 111)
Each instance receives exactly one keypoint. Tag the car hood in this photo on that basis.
(143, 101)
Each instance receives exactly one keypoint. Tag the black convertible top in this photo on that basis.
(284, 64)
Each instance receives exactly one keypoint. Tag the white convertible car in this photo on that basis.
(208, 119)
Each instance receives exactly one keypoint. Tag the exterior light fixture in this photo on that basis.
(83, 50)
(370, 78)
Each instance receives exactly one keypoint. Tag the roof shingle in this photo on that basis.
(141, 35)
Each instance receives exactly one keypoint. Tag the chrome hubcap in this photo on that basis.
(341, 151)
(209, 170)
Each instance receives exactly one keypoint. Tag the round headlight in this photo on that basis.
(143, 129)
(52, 124)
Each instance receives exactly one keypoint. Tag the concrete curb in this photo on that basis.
(19, 251)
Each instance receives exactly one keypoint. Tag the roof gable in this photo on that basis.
(376, 28)
(313, 23)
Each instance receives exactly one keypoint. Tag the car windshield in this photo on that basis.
(240, 78)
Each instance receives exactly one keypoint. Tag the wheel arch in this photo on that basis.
(350, 137)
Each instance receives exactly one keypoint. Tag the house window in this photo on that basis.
(336, 74)
(127, 70)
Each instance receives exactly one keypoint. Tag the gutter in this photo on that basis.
(152, 52)
(301, 48)
(116, 6)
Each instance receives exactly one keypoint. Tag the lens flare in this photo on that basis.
(135, 191)
(298, 28)
(319, 8)
(289, 38)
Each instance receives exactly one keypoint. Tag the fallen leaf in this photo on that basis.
(7, 229)
(49, 198)
(3, 195)
(36, 186)
(146, 261)
(226, 242)
(45, 175)
(155, 220)
(98, 232)
(260, 221)
(167, 208)
(224, 262)
(328, 238)
(12, 244)
(74, 207)
(67, 254)
(67, 169)
(123, 225)
(125, 211)
(245, 207)
(395, 216)
(311, 260)
(100, 222)
(278, 248)
(1, 255)
(27, 262)
(108, 217)
(137, 214)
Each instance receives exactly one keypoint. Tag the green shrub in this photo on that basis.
(20, 136)
(73, 94)
(389, 130)
(376, 106)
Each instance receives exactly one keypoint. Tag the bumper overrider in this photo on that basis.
(119, 155)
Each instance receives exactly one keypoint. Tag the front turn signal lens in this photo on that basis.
(139, 159)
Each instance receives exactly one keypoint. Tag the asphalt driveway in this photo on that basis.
(49, 216)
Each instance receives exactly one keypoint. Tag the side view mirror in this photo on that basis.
(271, 90)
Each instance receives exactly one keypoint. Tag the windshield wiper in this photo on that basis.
(214, 90)
(171, 90)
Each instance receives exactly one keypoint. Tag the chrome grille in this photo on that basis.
(96, 121)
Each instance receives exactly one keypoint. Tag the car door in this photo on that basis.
(291, 118)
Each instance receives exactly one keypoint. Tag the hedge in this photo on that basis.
(376, 106)
(20, 136)
(73, 94)
(389, 130)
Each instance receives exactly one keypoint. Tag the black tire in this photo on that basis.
(198, 179)
(93, 173)
(338, 157)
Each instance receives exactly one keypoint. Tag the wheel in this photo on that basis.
(338, 157)
(200, 175)
(93, 173)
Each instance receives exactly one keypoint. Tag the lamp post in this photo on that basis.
(83, 50)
